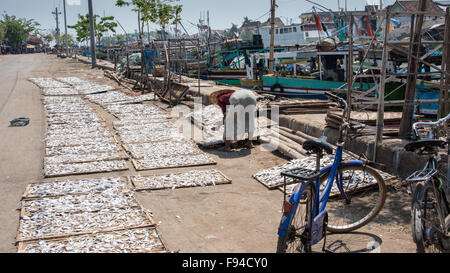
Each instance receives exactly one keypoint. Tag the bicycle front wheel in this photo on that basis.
(357, 196)
(426, 226)
(298, 237)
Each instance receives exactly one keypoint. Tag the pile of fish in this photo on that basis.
(117, 97)
(48, 83)
(148, 136)
(78, 141)
(69, 86)
(141, 240)
(90, 215)
(197, 178)
(75, 187)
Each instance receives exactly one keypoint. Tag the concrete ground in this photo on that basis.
(241, 217)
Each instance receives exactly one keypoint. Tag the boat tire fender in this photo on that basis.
(277, 86)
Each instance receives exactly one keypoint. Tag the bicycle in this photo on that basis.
(339, 198)
(430, 219)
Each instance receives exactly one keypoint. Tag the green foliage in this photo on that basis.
(48, 37)
(2, 34)
(70, 40)
(101, 26)
(231, 34)
(160, 12)
(15, 30)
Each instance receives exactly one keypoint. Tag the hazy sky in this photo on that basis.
(222, 12)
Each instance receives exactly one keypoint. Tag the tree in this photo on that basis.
(232, 33)
(2, 34)
(247, 21)
(70, 40)
(160, 12)
(16, 30)
(82, 27)
(48, 37)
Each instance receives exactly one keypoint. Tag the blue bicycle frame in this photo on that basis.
(318, 200)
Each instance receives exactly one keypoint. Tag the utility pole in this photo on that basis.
(91, 22)
(65, 26)
(410, 92)
(57, 25)
(272, 35)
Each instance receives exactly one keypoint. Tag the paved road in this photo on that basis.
(20, 148)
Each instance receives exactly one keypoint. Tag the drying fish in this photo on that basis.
(128, 241)
(55, 142)
(48, 83)
(157, 162)
(85, 186)
(61, 91)
(108, 199)
(168, 148)
(81, 158)
(82, 150)
(195, 178)
(38, 225)
(136, 137)
(53, 170)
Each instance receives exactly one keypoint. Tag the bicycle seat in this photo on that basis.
(317, 146)
(424, 143)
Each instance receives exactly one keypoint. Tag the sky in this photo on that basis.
(222, 12)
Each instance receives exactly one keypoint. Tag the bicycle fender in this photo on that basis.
(286, 218)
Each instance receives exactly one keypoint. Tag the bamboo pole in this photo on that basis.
(350, 68)
(381, 88)
(408, 107)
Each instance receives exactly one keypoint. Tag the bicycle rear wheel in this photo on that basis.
(365, 194)
(425, 223)
(297, 239)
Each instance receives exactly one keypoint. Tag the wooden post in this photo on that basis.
(446, 61)
(410, 92)
(272, 35)
(350, 68)
(444, 58)
(198, 66)
(382, 87)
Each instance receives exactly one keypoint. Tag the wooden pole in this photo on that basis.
(92, 29)
(272, 35)
(381, 88)
(410, 92)
(447, 60)
(445, 52)
(350, 68)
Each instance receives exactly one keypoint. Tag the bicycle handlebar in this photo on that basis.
(430, 124)
(338, 99)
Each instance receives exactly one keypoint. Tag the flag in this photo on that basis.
(319, 25)
(369, 28)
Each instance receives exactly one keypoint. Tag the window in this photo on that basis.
(295, 29)
(281, 31)
(276, 31)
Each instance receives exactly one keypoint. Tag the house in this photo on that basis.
(411, 6)
(290, 35)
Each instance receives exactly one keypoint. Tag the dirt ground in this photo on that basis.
(240, 217)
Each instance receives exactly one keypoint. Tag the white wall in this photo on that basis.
(289, 37)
